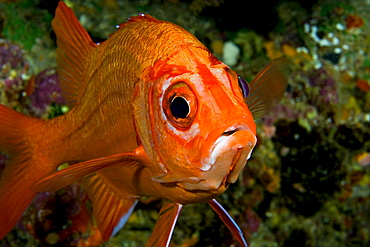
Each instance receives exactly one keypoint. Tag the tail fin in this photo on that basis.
(17, 138)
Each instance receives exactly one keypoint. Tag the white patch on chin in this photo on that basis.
(220, 143)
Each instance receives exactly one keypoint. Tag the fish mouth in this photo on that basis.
(223, 137)
(226, 158)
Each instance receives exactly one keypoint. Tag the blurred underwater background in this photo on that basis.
(308, 180)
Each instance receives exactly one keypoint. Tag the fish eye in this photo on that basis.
(244, 86)
(179, 107)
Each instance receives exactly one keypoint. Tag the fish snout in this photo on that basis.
(230, 154)
(226, 158)
(244, 141)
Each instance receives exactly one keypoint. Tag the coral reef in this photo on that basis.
(45, 91)
(307, 182)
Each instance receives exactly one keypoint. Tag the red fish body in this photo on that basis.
(153, 113)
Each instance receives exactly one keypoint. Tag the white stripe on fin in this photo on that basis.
(123, 220)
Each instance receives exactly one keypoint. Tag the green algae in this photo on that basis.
(24, 26)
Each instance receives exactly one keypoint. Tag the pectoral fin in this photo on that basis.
(165, 224)
(268, 87)
(71, 174)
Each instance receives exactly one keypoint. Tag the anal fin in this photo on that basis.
(111, 211)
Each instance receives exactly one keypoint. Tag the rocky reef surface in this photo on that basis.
(308, 180)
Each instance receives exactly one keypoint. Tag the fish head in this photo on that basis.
(198, 129)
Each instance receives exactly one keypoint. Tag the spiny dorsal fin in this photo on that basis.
(74, 43)
(268, 87)
(139, 18)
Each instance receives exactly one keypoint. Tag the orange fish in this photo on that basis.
(153, 113)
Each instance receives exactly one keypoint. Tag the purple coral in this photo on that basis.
(47, 91)
(46, 87)
(11, 59)
(58, 214)
(12, 82)
(327, 86)
(280, 112)
(12, 54)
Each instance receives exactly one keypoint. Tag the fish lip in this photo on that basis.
(230, 157)
(207, 160)
(238, 164)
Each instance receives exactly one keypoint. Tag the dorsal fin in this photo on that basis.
(140, 18)
(74, 43)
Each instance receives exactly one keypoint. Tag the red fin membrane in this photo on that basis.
(162, 233)
(71, 174)
(74, 43)
(22, 170)
(15, 193)
(268, 87)
(12, 130)
(228, 221)
(110, 210)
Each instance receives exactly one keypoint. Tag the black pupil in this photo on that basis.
(243, 84)
(179, 107)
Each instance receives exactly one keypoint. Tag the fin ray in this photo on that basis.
(24, 167)
(74, 43)
(12, 185)
(59, 179)
(228, 221)
(110, 210)
(163, 229)
(268, 87)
